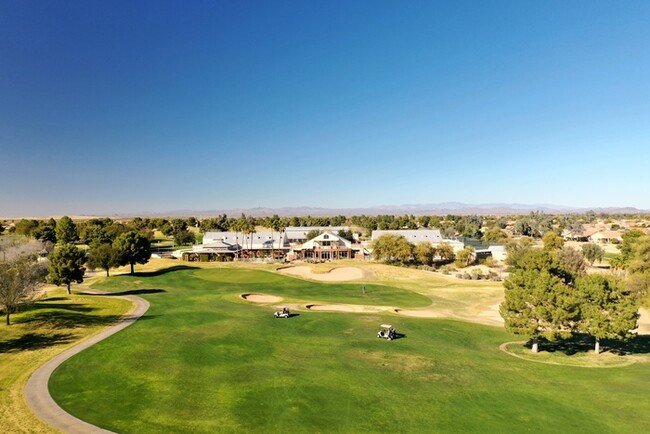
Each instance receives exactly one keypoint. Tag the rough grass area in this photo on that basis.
(204, 360)
(37, 334)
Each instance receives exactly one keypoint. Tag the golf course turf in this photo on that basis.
(202, 359)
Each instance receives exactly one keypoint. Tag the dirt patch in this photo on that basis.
(644, 322)
(419, 313)
(261, 298)
(348, 308)
(339, 274)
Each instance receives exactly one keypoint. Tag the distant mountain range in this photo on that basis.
(444, 208)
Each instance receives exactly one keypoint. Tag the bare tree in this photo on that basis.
(20, 278)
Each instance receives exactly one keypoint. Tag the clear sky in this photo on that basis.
(134, 106)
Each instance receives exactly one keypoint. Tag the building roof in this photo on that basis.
(255, 240)
(300, 232)
(412, 235)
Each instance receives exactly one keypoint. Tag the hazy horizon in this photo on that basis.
(131, 107)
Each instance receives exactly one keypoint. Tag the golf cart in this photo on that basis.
(387, 332)
(283, 313)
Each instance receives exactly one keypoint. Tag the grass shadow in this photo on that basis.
(580, 343)
(163, 271)
(63, 318)
(128, 292)
(34, 341)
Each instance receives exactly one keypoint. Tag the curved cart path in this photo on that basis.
(37, 393)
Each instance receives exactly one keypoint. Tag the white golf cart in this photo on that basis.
(282, 313)
(387, 332)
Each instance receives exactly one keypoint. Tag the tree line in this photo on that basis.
(22, 274)
(549, 295)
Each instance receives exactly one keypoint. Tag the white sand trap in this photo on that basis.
(419, 313)
(348, 308)
(261, 298)
(340, 274)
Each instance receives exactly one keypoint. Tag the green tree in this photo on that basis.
(552, 241)
(608, 309)
(20, 278)
(25, 227)
(572, 261)
(102, 256)
(66, 231)
(445, 252)
(132, 248)
(277, 225)
(465, 257)
(424, 253)
(46, 231)
(66, 265)
(183, 237)
(539, 298)
(391, 247)
(593, 252)
(495, 235)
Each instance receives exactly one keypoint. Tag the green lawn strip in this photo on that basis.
(40, 332)
(238, 281)
(203, 361)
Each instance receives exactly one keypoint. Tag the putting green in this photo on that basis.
(204, 360)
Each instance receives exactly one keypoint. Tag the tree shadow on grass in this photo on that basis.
(163, 271)
(34, 341)
(128, 292)
(639, 344)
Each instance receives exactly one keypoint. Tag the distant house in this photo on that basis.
(604, 237)
(417, 236)
(583, 236)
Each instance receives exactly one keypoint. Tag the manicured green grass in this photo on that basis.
(203, 360)
(37, 334)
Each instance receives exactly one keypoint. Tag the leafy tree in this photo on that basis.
(552, 241)
(608, 309)
(572, 261)
(102, 256)
(66, 231)
(2, 228)
(465, 257)
(523, 227)
(495, 235)
(424, 253)
(593, 252)
(66, 265)
(391, 247)
(277, 225)
(25, 227)
(515, 249)
(46, 231)
(20, 277)
(183, 237)
(347, 234)
(445, 252)
(539, 300)
(132, 248)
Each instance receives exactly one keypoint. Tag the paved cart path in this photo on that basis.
(37, 393)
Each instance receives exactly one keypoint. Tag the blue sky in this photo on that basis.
(114, 107)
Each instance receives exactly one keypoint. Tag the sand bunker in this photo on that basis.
(348, 308)
(261, 298)
(339, 274)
